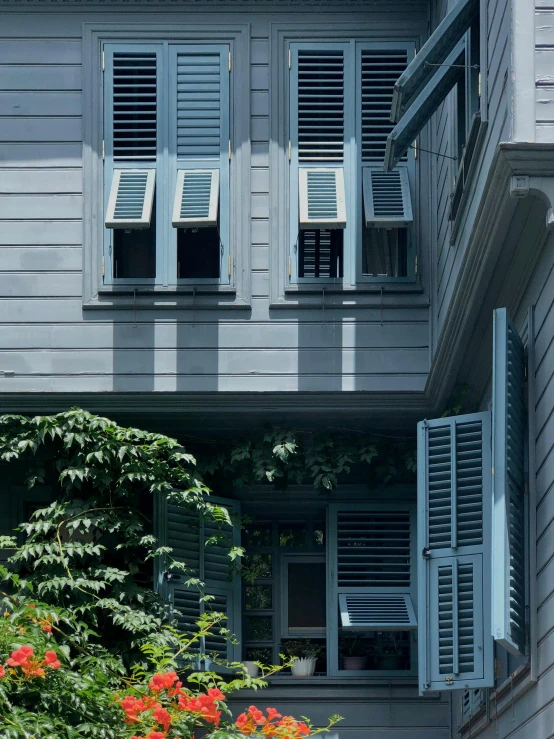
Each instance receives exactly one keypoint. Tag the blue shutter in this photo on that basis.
(322, 201)
(199, 142)
(131, 198)
(509, 428)
(454, 512)
(432, 54)
(371, 570)
(387, 200)
(413, 121)
(201, 544)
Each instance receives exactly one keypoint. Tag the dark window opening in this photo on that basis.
(320, 253)
(375, 650)
(385, 252)
(134, 251)
(198, 253)
(306, 588)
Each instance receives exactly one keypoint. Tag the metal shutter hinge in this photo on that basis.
(525, 370)
(290, 267)
(290, 58)
(526, 488)
(497, 669)
(416, 264)
(103, 61)
(230, 62)
(229, 265)
(103, 267)
(479, 84)
(103, 149)
(415, 149)
(290, 151)
(230, 149)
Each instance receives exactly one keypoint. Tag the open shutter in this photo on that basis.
(509, 428)
(202, 545)
(322, 200)
(387, 201)
(454, 512)
(412, 122)
(432, 54)
(196, 198)
(131, 198)
(382, 611)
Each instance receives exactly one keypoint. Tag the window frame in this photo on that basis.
(283, 292)
(192, 295)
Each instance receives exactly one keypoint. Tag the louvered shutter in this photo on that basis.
(387, 201)
(196, 198)
(454, 516)
(131, 198)
(509, 425)
(412, 122)
(322, 201)
(432, 54)
(472, 700)
(132, 138)
(200, 146)
(203, 545)
(371, 554)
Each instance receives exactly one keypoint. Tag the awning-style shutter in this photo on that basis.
(508, 554)
(472, 700)
(415, 118)
(383, 611)
(432, 54)
(196, 198)
(202, 544)
(387, 201)
(454, 517)
(131, 198)
(322, 199)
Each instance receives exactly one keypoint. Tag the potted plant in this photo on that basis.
(304, 654)
(354, 655)
(257, 657)
(392, 658)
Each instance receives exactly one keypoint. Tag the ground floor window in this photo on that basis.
(336, 583)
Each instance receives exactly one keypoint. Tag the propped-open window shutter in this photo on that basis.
(387, 201)
(412, 122)
(472, 700)
(509, 428)
(196, 198)
(432, 54)
(322, 199)
(203, 545)
(373, 566)
(131, 198)
(454, 515)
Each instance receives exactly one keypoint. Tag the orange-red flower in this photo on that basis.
(162, 717)
(2, 671)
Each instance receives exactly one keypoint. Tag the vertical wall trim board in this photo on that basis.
(523, 70)
(532, 501)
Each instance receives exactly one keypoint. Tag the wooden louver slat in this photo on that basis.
(134, 106)
(373, 549)
(320, 106)
(380, 68)
(199, 111)
(383, 611)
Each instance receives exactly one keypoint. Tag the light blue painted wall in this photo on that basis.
(46, 339)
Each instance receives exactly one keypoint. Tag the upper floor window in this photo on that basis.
(349, 219)
(167, 149)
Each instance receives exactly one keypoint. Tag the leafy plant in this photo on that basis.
(302, 649)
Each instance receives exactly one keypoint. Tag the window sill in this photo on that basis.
(159, 298)
(374, 295)
(350, 679)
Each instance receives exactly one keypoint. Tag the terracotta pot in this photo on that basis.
(252, 668)
(303, 667)
(354, 663)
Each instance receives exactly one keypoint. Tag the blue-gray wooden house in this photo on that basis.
(222, 213)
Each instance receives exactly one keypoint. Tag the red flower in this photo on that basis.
(162, 681)
(51, 659)
(162, 717)
(156, 735)
(2, 671)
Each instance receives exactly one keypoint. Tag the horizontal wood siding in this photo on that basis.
(48, 343)
(544, 70)
(449, 248)
(392, 712)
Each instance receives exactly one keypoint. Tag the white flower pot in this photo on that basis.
(252, 669)
(303, 667)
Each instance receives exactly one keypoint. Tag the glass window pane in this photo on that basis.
(306, 596)
(375, 650)
(258, 597)
(257, 567)
(259, 654)
(292, 534)
(385, 252)
(256, 534)
(258, 628)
